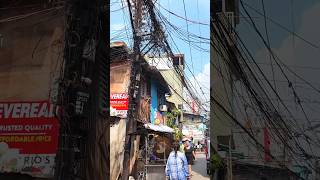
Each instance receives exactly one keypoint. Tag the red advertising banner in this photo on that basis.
(119, 103)
(28, 138)
(267, 156)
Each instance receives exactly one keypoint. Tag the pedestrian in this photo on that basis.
(189, 152)
(191, 141)
(177, 165)
(182, 146)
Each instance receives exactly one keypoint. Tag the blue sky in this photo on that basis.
(196, 10)
(286, 12)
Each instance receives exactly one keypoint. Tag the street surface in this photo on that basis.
(199, 169)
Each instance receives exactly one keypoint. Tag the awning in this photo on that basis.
(159, 128)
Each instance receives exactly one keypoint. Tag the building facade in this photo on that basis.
(194, 126)
(151, 109)
(172, 69)
(29, 72)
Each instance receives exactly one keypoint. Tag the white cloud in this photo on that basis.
(301, 54)
(201, 83)
(117, 27)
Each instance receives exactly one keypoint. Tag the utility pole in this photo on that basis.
(231, 132)
(77, 96)
(134, 87)
(230, 161)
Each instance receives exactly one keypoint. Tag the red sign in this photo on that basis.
(28, 137)
(267, 156)
(119, 103)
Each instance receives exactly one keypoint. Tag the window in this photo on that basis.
(219, 5)
(176, 61)
(144, 88)
(1, 41)
(148, 88)
(230, 5)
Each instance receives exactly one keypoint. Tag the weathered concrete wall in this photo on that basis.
(31, 56)
(117, 140)
(250, 172)
(119, 82)
(119, 77)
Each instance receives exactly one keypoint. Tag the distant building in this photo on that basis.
(172, 69)
(190, 118)
(193, 125)
(222, 81)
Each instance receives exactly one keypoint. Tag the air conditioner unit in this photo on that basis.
(163, 108)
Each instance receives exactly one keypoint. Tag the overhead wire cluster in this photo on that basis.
(189, 38)
(236, 56)
(154, 42)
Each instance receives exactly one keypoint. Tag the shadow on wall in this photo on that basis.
(13, 176)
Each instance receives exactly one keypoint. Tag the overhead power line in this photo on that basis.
(283, 27)
(237, 67)
(184, 18)
(257, 143)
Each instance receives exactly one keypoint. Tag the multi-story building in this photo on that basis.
(221, 78)
(172, 69)
(231, 142)
(150, 111)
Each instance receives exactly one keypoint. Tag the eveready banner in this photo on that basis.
(28, 138)
(119, 103)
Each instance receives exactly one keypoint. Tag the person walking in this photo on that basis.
(177, 165)
(182, 146)
(189, 152)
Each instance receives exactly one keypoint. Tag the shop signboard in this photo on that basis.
(119, 103)
(28, 138)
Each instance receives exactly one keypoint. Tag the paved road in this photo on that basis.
(199, 169)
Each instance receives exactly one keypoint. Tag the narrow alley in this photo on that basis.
(199, 169)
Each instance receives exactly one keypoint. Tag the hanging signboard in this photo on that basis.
(28, 138)
(119, 103)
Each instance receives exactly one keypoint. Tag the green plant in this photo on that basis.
(216, 161)
(177, 133)
(170, 121)
(171, 117)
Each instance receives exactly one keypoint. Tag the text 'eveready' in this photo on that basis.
(26, 110)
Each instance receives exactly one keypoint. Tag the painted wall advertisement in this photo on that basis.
(28, 138)
(119, 103)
